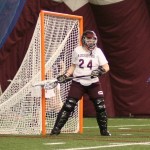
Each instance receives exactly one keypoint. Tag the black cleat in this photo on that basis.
(55, 131)
(105, 133)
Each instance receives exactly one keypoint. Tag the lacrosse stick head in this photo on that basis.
(51, 85)
(47, 84)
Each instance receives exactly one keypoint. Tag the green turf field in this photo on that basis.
(127, 134)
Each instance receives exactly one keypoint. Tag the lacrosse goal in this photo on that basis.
(25, 109)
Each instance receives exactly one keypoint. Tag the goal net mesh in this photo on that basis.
(20, 103)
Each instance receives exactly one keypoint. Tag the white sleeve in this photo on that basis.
(101, 57)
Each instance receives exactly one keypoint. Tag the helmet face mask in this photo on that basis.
(89, 40)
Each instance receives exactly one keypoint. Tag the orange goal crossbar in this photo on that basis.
(80, 18)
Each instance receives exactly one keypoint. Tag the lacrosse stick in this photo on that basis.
(52, 83)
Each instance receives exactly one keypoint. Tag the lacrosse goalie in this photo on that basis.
(87, 59)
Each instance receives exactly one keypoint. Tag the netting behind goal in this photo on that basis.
(21, 106)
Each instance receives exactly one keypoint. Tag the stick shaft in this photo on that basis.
(79, 77)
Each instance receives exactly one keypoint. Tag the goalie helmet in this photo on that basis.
(89, 40)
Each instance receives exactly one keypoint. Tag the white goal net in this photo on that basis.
(21, 104)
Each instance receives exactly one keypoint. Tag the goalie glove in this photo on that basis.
(63, 78)
(98, 72)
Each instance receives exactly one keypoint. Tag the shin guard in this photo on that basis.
(63, 115)
(101, 116)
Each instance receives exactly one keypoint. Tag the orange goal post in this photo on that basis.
(25, 109)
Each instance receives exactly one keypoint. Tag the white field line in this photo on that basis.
(56, 143)
(107, 146)
(124, 128)
(126, 134)
(121, 126)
